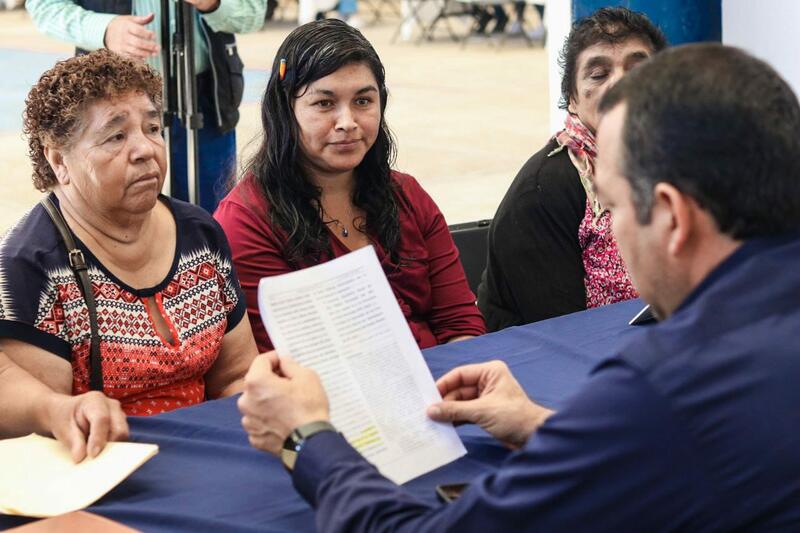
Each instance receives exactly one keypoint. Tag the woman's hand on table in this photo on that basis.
(280, 396)
(487, 394)
(84, 423)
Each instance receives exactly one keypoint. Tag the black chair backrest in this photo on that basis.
(471, 239)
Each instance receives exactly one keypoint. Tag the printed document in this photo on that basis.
(341, 319)
(40, 479)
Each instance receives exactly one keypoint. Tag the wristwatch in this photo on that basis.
(297, 438)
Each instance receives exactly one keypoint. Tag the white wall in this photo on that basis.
(558, 20)
(769, 30)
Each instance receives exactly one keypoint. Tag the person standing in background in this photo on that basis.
(310, 10)
(132, 28)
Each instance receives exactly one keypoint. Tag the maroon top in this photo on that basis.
(429, 283)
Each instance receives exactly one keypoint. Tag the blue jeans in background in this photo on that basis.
(216, 162)
(347, 7)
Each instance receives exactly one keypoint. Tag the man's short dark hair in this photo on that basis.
(611, 25)
(720, 126)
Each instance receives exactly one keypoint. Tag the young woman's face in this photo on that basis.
(339, 117)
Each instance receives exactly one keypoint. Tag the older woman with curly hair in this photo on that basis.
(161, 326)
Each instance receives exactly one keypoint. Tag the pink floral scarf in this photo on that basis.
(605, 276)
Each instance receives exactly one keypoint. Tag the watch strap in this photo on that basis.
(297, 438)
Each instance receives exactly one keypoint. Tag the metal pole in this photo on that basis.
(168, 104)
(193, 120)
(186, 89)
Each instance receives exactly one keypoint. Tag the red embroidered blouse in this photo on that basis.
(429, 283)
(199, 300)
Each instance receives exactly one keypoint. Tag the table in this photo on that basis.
(426, 15)
(207, 477)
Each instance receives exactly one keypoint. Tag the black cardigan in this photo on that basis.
(534, 266)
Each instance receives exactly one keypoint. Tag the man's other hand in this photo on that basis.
(280, 396)
(127, 35)
(488, 395)
(85, 423)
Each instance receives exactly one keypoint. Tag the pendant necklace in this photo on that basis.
(345, 232)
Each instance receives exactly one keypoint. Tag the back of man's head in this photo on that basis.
(719, 125)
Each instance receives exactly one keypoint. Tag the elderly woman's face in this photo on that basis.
(597, 69)
(118, 162)
(339, 117)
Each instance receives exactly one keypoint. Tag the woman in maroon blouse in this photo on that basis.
(321, 185)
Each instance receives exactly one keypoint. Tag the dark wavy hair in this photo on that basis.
(719, 125)
(311, 52)
(610, 25)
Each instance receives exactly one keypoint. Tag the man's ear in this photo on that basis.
(674, 211)
(55, 156)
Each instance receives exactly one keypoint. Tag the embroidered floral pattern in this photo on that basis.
(605, 276)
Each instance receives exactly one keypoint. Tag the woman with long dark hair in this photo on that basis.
(321, 185)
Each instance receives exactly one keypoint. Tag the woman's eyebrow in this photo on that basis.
(636, 57)
(113, 123)
(596, 61)
(328, 92)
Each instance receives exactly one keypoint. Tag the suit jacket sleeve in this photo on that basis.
(614, 459)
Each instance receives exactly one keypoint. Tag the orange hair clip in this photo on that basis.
(282, 69)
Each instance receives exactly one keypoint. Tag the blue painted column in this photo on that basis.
(683, 21)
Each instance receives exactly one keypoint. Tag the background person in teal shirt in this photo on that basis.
(132, 28)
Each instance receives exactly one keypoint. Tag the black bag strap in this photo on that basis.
(78, 264)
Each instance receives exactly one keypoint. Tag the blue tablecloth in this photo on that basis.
(207, 477)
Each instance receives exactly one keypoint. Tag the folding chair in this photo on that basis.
(439, 9)
(376, 7)
(471, 239)
(511, 13)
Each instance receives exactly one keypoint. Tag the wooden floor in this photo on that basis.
(466, 118)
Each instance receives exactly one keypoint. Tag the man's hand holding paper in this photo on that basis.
(279, 396)
(488, 395)
(342, 320)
